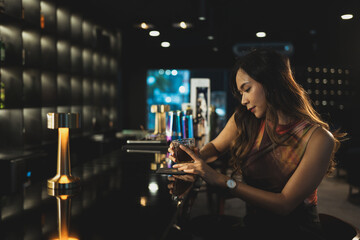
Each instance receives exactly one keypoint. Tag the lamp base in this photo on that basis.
(63, 182)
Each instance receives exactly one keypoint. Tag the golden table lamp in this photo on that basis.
(63, 121)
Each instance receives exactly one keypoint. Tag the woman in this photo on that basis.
(280, 147)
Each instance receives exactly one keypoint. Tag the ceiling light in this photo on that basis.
(202, 18)
(182, 25)
(210, 37)
(346, 16)
(261, 34)
(165, 44)
(154, 33)
(143, 25)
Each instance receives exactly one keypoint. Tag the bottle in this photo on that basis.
(178, 124)
(187, 123)
(2, 51)
(2, 94)
(2, 6)
(200, 122)
(2, 84)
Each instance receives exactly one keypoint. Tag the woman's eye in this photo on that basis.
(247, 90)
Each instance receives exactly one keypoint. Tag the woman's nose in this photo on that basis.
(244, 100)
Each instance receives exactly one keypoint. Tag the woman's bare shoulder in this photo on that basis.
(322, 137)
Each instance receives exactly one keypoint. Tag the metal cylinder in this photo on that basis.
(63, 120)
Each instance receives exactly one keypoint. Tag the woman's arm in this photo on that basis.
(211, 151)
(302, 183)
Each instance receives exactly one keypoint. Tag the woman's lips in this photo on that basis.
(252, 109)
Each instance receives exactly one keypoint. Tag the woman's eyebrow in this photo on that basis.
(242, 85)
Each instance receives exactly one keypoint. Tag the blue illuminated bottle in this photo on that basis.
(187, 124)
(178, 125)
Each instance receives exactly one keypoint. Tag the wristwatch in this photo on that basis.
(231, 183)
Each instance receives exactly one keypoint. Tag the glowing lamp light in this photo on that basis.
(261, 34)
(165, 44)
(154, 33)
(69, 238)
(346, 16)
(183, 25)
(63, 121)
(143, 25)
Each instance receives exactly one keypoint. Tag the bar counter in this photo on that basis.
(120, 196)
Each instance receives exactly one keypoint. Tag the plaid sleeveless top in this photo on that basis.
(272, 170)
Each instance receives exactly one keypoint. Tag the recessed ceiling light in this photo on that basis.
(261, 34)
(182, 25)
(346, 16)
(154, 33)
(165, 44)
(210, 37)
(144, 25)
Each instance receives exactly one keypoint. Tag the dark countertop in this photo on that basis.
(120, 195)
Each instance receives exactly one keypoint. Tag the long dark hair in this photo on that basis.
(273, 71)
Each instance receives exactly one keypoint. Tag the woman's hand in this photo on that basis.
(171, 151)
(200, 168)
(172, 156)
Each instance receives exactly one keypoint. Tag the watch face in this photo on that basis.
(231, 183)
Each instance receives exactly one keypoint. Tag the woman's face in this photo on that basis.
(253, 94)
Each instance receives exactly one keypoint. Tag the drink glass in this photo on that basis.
(180, 155)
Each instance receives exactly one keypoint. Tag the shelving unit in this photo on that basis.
(55, 61)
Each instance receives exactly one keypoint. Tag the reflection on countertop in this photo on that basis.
(120, 195)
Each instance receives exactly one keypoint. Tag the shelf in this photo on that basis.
(87, 86)
(76, 60)
(11, 128)
(31, 12)
(87, 62)
(63, 22)
(48, 89)
(32, 127)
(87, 30)
(48, 13)
(12, 37)
(63, 56)
(48, 53)
(12, 78)
(76, 91)
(63, 90)
(13, 8)
(76, 28)
(55, 61)
(31, 49)
(32, 88)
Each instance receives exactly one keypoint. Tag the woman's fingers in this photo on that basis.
(171, 150)
(186, 167)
